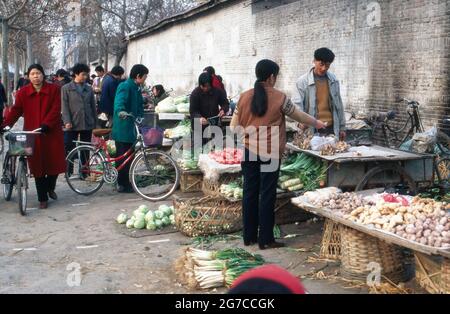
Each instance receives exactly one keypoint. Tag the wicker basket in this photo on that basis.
(207, 216)
(433, 273)
(358, 250)
(191, 181)
(330, 247)
(212, 188)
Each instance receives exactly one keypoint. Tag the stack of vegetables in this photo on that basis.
(173, 105)
(182, 104)
(232, 190)
(183, 129)
(166, 106)
(211, 269)
(143, 218)
(188, 160)
(300, 171)
(229, 156)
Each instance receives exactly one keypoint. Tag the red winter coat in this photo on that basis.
(37, 109)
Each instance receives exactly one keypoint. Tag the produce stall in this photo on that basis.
(364, 167)
(371, 227)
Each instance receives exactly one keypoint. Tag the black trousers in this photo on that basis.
(44, 185)
(124, 174)
(70, 136)
(258, 203)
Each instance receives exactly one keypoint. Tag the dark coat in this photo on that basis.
(109, 89)
(79, 109)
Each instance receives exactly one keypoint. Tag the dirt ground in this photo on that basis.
(37, 251)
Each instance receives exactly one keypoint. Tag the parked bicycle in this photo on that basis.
(154, 175)
(15, 166)
(395, 134)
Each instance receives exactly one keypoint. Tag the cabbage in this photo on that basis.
(144, 209)
(183, 108)
(167, 211)
(172, 219)
(150, 216)
(122, 218)
(167, 106)
(130, 223)
(139, 223)
(180, 99)
(165, 221)
(139, 215)
(151, 225)
(159, 214)
(158, 223)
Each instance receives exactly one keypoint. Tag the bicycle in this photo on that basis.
(393, 136)
(154, 175)
(15, 172)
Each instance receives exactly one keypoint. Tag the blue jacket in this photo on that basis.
(128, 99)
(109, 88)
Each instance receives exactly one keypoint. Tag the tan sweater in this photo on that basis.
(323, 102)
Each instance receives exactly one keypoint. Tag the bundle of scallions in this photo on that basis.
(211, 269)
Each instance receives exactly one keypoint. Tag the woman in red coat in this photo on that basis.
(40, 105)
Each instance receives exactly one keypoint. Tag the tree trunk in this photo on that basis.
(29, 50)
(106, 57)
(120, 55)
(16, 66)
(5, 65)
(87, 50)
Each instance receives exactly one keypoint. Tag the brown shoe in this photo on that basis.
(273, 245)
(43, 205)
(53, 195)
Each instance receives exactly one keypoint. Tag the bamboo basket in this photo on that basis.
(212, 188)
(191, 181)
(433, 273)
(330, 247)
(207, 216)
(359, 250)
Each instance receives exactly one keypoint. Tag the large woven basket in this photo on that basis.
(330, 247)
(212, 188)
(359, 250)
(433, 273)
(207, 216)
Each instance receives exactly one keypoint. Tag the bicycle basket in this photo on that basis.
(152, 136)
(21, 144)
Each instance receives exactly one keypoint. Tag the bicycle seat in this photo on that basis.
(101, 132)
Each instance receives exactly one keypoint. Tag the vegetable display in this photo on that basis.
(421, 220)
(302, 139)
(302, 172)
(229, 156)
(211, 269)
(143, 218)
(111, 147)
(232, 190)
(166, 106)
(183, 129)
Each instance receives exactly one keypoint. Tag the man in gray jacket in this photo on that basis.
(318, 93)
(78, 108)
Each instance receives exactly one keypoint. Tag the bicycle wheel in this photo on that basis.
(9, 165)
(84, 173)
(2, 144)
(392, 178)
(22, 186)
(443, 171)
(154, 175)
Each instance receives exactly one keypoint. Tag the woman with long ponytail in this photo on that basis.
(260, 119)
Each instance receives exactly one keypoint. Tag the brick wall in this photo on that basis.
(384, 50)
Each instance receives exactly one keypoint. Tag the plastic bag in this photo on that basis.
(317, 142)
(424, 142)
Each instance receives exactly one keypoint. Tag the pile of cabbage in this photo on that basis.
(173, 105)
(144, 218)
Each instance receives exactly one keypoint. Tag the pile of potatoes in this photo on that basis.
(424, 221)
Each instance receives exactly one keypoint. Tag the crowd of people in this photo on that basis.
(68, 106)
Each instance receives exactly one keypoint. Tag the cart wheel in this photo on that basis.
(387, 171)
